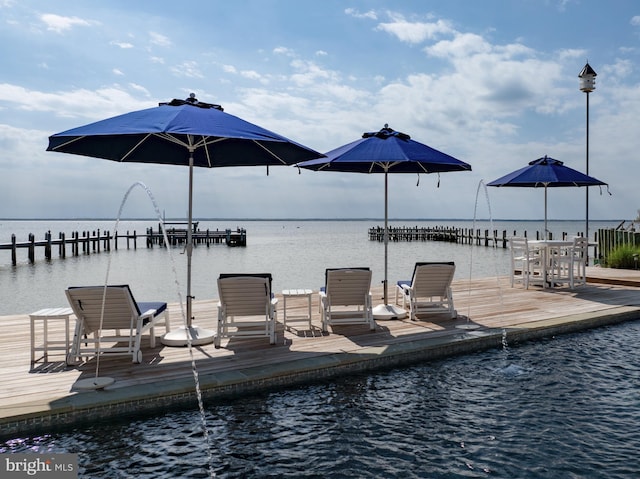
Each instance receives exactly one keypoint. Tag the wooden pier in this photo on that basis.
(450, 234)
(177, 235)
(88, 242)
(40, 397)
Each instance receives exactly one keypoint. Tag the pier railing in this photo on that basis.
(88, 242)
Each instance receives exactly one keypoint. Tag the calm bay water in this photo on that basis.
(296, 252)
(567, 407)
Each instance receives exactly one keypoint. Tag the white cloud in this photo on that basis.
(353, 12)
(283, 51)
(139, 88)
(189, 69)
(635, 21)
(123, 45)
(462, 45)
(251, 74)
(60, 24)
(415, 32)
(78, 103)
(308, 73)
(159, 39)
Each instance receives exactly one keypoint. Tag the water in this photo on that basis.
(296, 252)
(564, 407)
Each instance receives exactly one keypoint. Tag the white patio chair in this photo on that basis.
(246, 309)
(346, 298)
(109, 316)
(429, 290)
(527, 263)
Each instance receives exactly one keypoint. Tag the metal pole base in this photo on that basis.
(92, 384)
(198, 336)
(388, 311)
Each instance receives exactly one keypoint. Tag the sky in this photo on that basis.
(493, 83)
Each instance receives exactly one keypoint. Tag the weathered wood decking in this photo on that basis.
(34, 398)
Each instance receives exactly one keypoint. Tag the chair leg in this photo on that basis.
(216, 339)
(412, 308)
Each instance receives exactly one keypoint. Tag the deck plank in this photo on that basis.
(488, 303)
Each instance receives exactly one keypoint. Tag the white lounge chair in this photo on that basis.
(346, 298)
(527, 263)
(108, 316)
(429, 290)
(246, 307)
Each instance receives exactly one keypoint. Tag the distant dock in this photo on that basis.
(88, 242)
(605, 240)
(177, 234)
(450, 234)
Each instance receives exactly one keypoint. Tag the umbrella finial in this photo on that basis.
(192, 100)
(387, 132)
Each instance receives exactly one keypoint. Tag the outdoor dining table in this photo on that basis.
(547, 247)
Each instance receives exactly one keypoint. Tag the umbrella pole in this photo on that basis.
(190, 243)
(386, 310)
(386, 233)
(193, 335)
(546, 231)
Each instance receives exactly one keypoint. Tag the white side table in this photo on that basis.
(293, 293)
(46, 315)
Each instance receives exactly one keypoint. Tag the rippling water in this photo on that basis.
(567, 407)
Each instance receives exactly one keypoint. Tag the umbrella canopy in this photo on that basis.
(546, 173)
(173, 132)
(386, 151)
(182, 132)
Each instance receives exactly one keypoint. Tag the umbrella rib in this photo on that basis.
(270, 152)
(135, 147)
(70, 142)
(205, 142)
(172, 139)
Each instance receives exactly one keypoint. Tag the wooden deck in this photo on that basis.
(35, 398)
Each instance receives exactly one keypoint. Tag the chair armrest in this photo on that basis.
(149, 313)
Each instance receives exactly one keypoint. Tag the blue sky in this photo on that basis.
(493, 83)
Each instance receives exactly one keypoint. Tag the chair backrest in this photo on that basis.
(433, 278)
(245, 294)
(519, 246)
(347, 286)
(580, 246)
(120, 309)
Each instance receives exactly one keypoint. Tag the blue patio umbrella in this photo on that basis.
(386, 151)
(546, 173)
(182, 132)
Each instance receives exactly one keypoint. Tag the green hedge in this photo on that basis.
(624, 257)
